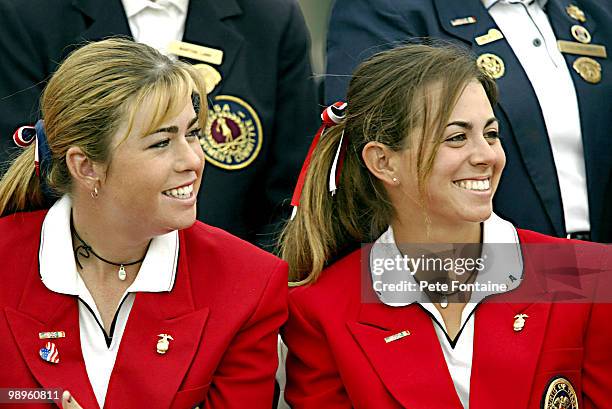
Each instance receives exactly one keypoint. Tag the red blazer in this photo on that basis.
(228, 301)
(338, 357)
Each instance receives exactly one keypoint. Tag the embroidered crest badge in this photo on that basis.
(233, 137)
(560, 394)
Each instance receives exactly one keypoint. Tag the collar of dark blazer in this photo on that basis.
(152, 314)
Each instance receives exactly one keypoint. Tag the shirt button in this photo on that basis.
(537, 42)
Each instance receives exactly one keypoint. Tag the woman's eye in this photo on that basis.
(456, 138)
(161, 144)
(195, 133)
(492, 135)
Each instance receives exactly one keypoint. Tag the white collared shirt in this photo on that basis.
(503, 265)
(156, 22)
(525, 24)
(59, 274)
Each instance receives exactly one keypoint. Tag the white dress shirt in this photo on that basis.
(156, 23)
(59, 274)
(503, 259)
(527, 30)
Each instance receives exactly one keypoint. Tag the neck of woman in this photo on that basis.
(99, 245)
(422, 230)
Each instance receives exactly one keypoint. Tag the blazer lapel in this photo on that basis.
(107, 19)
(206, 26)
(504, 358)
(517, 101)
(140, 371)
(412, 368)
(42, 310)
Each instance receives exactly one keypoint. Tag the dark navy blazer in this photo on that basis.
(266, 63)
(528, 194)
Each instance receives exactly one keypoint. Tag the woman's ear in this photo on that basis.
(382, 162)
(84, 171)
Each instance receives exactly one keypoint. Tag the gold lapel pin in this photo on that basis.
(575, 13)
(519, 321)
(588, 69)
(163, 344)
(492, 35)
(492, 65)
(51, 335)
(397, 336)
(581, 34)
(463, 21)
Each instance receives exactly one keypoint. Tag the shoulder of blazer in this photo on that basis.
(19, 242)
(213, 246)
(338, 283)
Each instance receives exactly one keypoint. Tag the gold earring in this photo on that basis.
(94, 192)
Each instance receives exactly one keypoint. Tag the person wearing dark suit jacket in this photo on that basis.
(264, 109)
(531, 194)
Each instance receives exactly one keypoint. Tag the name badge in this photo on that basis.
(493, 35)
(591, 50)
(196, 52)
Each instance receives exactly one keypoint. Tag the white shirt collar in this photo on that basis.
(133, 7)
(490, 3)
(501, 253)
(58, 268)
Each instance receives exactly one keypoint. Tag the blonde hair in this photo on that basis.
(387, 101)
(94, 90)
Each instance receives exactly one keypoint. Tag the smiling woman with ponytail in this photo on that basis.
(112, 292)
(408, 170)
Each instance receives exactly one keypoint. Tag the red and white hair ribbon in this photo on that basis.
(331, 116)
(23, 137)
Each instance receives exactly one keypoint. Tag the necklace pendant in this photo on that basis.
(444, 302)
(121, 273)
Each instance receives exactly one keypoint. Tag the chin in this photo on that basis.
(478, 215)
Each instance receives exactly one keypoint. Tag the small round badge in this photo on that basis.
(581, 34)
(492, 65)
(588, 68)
(560, 394)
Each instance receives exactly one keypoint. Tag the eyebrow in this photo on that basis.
(469, 125)
(174, 128)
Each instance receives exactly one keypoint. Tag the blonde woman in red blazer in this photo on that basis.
(116, 297)
(413, 160)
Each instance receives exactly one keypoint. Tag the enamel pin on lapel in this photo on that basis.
(492, 65)
(588, 69)
(575, 13)
(163, 343)
(397, 336)
(463, 21)
(51, 335)
(492, 35)
(560, 394)
(49, 353)
(519, 322)
(581, 34)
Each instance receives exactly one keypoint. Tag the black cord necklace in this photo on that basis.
(444, 295)
(86, 251)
